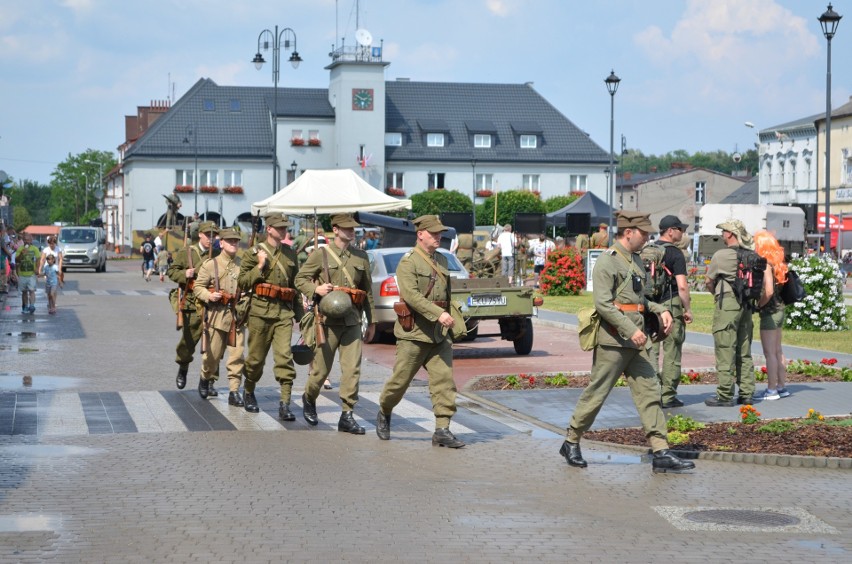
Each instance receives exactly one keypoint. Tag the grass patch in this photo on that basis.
(702, 311)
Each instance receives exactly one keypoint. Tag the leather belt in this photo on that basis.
(266, 290)
(630, 307)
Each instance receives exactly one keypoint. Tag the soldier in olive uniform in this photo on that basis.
(339, 265)
(181, 272)
(268, 270)
(220, 312)
(732, 324)
(600, 240)
(427, 344)
(618, 279)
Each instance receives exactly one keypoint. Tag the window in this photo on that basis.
(531, 182)
(208, 105)
(184, 177)
(579, 182)
(482, 140)
(436, 180)
(313, 134)
(235, 105)
(208, 177)
(297, 134)
(394, 180)
(793, 179)
(233, 178)
(484, 181)
(434, 139)
(529, 141)
(393, 139)
(699, 192)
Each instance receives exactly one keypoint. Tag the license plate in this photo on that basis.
(72, 260)
(486, 300)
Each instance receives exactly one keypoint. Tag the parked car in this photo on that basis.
(383, 263)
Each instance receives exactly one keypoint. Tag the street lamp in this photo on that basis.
(192, 129)
(275, 38)
(293, 166)
(829, 22)
(612, 86)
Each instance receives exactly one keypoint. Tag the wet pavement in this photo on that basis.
(110, 463)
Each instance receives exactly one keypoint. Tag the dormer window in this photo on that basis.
(482, 141)
(393, 139)
(434, 139)
(529, 141)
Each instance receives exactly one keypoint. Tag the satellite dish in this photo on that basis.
(364, 37)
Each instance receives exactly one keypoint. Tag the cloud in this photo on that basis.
(498, 7)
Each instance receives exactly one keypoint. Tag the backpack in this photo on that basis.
(658, 277)
(748, 284)
(793, 291)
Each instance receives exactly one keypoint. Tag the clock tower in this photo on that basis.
(357, 93)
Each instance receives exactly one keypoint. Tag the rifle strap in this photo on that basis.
(273, 257)
(436, 273)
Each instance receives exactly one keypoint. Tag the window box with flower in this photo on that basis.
(393, 191)
(297, 142)
(232, 190)
(314, 142)
(484, 193)
(183, 188)
(209, 190)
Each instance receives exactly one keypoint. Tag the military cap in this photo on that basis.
(229, 233)
(604, 225)
(634, 220)
(208, 227)
(430, 223)
(276, 220)
(344, 220)
(736, 227)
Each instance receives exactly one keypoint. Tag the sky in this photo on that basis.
(692, 71)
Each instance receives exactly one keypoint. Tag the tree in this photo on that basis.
(75, 182)
(438, 201)
(508, 204)
(720, 161)
(555, 203)
(34, 198)
(21, 218)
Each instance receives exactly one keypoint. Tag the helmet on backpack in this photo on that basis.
(335, 304)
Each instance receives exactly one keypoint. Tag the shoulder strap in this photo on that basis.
(339, 263)
(435, 272)
(431, 263)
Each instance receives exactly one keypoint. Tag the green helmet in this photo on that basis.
(335, 304)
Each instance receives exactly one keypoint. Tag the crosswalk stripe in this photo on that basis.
(62, 416)
(152, 413)
(242, 419)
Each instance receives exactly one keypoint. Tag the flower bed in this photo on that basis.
(209, 190)
(314, 142)
(232, 190)
(297, 142)
(183, 188)
(484, 193)
(391, 191)
(563, 273)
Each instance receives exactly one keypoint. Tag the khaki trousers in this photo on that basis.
(265, 334)
(347, 340)
(216, 349)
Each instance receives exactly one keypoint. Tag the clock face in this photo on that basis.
(362, 99)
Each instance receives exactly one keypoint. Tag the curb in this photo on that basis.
(783, 460)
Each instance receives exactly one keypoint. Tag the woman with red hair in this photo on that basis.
(771, 311)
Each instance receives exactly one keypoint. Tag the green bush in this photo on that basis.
(438, 201)
(683, 424)
(776, 427)
(563, 273)
(823, 309)
(677, 438)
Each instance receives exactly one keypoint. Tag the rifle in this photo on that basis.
(240, 321)
(182, 290)
(205, 328)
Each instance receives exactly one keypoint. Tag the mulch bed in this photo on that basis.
(488, 383)
(808, 440)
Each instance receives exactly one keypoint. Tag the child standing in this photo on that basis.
(164, 259)
(52, 281)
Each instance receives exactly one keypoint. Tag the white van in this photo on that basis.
(83, 247)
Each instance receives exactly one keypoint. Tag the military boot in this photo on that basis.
(309, 411)
(203, 388)
(347, 424)
(284, 413)
(234, 398)
(180, 380)
(665, 461)
(250, 403)
(211, 389)
(383, 425)
(572, 454)
(445, 438)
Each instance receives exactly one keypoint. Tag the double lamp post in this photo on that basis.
(829, 22)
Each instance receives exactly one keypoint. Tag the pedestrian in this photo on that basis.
(507, 243)
(424, 285)
(26, 262)
(600, 240)
(621, 346)
(52, 280)
(182, 271)
(732, 323)
(164, 259)
(339, 265)
(675, 296)
(216, 288)
(559, 243)
(7, 258)
(269, 271)
(541, 247)
(771, 312)
(148, 250)
(52, 249)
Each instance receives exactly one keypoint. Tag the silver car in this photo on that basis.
(383, 264)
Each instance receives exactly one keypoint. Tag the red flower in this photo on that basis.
(763, 369)
(532, 380)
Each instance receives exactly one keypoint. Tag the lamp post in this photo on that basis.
(266, 37)
(829, 22)
(473, 215)
(293, 167)
(612, 86)
(192, 129)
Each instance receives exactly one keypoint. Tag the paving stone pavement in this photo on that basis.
(270, 495)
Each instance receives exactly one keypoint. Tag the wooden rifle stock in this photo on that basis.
(241, 320)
